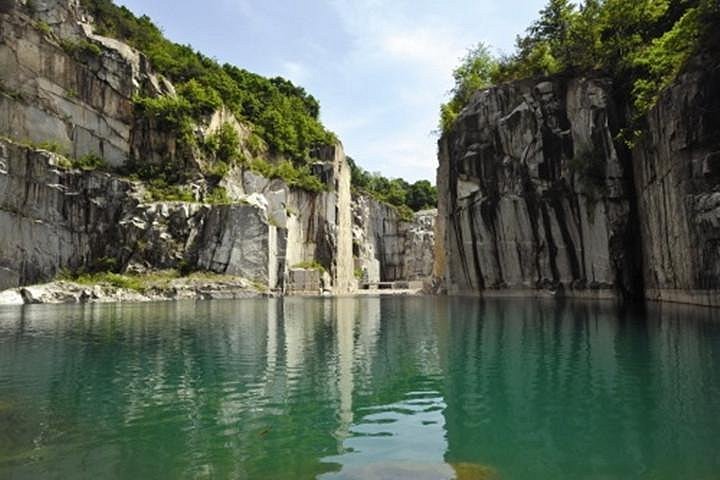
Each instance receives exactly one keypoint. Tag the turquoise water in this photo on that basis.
(359, 388)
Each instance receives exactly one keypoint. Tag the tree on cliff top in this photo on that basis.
(642, 45)
(421, 195)
(282, 114)
(475, 71)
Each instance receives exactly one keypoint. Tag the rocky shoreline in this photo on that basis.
(65, 292)
(68, 292)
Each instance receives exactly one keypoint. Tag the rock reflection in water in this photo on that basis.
(359, 388)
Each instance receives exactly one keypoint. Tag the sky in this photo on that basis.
(379, 68)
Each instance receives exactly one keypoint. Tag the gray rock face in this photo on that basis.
(238, 240)
(81, 101)
(315, 226)
(51, 218)
(677, 178)
(55, 219)
(54, 89)
(389, 249)
(534, 193)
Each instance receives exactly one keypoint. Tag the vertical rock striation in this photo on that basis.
(65, 88)
(388, 248)
(677, 178)
(534, 192)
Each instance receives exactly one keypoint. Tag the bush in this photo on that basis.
(223, 145)
(218, 196)
(300, 177)
(80, 48)
(285, 117)
(310, 265)
(642, 45)
(88, 162)
(172, 113)
(158, 190)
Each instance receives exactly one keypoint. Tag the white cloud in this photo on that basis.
(430, 48)
(401, 58)
(297, 72)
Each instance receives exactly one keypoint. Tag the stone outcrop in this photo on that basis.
(313, 226)
(57, 219)
(388, 248)
(62, 86)
(535, 193)
(677, 179)
(65, 292)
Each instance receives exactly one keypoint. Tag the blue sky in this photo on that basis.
(380, 68)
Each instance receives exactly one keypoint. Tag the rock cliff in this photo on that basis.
(388, 248)
(62, 86)
(677, 180)
(537, 194)
(58, 219)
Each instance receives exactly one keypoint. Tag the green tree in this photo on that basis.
(476, 71)
(421, 195)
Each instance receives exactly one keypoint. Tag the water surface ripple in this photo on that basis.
(417, 388)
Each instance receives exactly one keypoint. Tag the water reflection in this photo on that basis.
(359, 388)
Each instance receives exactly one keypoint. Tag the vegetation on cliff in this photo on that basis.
(284, 116)
(406, 197)
(643, 45)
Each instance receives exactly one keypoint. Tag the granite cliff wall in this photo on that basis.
(63, 86)
(388, 248)
(536, 194)
(56, 219)
(677, 179)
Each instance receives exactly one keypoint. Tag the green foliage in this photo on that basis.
(284, 116)
(475, 71)
(310, 265)
(43, 27)
(138, 283)
(405, 213)
(662, 59)
(420, 195)
(643, 45)
(49, 146)
(223, 145)
(218, 196)
(300, 177)
(80, 48)
(89, 162)
(359, 273)
(171, 113)
(159, 190)
(113, 279)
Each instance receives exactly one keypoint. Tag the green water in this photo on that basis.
(359, 388)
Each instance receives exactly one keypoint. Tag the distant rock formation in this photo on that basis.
(388, 248)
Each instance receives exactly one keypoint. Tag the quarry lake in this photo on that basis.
(413, 387)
